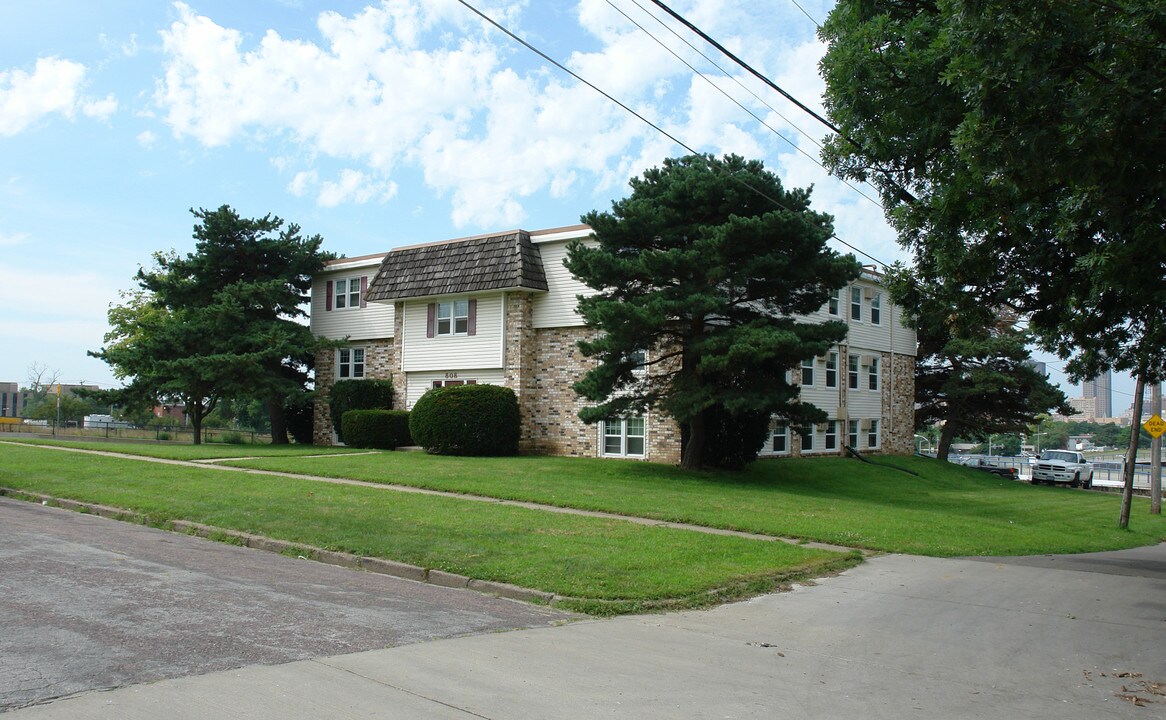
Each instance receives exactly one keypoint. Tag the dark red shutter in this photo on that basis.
(363, 289)
(431, 320)
(472, 325)
(328, 296)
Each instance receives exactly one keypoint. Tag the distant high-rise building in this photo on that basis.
(1038, 366)
(1099, 388)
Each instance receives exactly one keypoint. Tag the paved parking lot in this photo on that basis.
(88, 603)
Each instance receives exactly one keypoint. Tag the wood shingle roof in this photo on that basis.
(496, 262)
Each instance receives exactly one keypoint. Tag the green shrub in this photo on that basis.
(381, 429)
(231, 438)
(467, 420)
(358, 395)
(298, 410)
(732, 441)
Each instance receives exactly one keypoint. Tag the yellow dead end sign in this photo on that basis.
(1155, 426)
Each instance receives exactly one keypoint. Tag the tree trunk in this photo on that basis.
(1127, 492)
(946, 436)
(693, 457)
(278, 417)
(196, 425)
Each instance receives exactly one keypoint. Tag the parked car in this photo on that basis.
(1063, 467)
(982, 464)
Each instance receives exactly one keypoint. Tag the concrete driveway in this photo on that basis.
(897, 637)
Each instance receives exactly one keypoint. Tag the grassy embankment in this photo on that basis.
(606, 565)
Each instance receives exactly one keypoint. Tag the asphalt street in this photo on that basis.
(899, 636)
(88, 603)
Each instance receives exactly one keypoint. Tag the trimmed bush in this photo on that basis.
(467, 420)
(380, 429)
(358, 395)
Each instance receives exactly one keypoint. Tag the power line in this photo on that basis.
(903, 192)
(721, 90)
(657, 128)
(727, 53)
(799, 7)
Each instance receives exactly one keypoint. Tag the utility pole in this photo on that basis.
(1156, 453)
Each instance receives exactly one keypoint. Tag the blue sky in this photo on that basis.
(372, 124)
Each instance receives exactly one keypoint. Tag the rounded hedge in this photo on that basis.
(467, 420)
(380, 429)
(348, 395)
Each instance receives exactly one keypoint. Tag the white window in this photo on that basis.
(832, 370)
(808, 373)
(350, 363)
(830, 439)
(876, 309)
(640, 358)
(872, 377)
(623, 437)
(449, 383)
(348, 293)
(855, 303)
(807, 434)
(453, 318)
(832, 306)
(852, 372)
(872, 434)
(780, 443)
(852, 435)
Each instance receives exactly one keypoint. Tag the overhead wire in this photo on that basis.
(902, 191)
(734, 100)
(514, 36)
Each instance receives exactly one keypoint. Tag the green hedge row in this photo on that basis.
(358, 395)
(380, 429)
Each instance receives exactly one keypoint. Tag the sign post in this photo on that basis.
(1156, 429)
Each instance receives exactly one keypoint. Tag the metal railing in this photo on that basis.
(1107, 472)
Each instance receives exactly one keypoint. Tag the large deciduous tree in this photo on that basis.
(221, 321)
(699, 275)
(972, 373)
(1020, 148)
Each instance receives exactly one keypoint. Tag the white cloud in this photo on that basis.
(100, 109)
(26, 98)
(147, 138)
(354, 187)
(303, 182)
(405, 85)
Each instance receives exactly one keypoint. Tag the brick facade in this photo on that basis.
(899, 405)
(379, 360)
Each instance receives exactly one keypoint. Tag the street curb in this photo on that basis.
(381, 566)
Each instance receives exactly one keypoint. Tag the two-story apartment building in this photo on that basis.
(500, 309)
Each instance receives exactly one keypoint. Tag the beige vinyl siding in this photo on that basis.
(481, 350)
(556, 308)
(417, 383)
(372, 321)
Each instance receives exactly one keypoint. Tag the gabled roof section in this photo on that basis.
(509, 261)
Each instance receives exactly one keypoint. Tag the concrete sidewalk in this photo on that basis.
(897, 637)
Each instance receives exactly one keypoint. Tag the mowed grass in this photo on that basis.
(186, 451)
(602, 566)
(895, 504)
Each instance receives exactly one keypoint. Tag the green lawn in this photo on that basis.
(911, 505)
(186, 451)
(606, 566)
(941, 510)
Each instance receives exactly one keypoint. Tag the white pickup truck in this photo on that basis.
(1062, 466)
